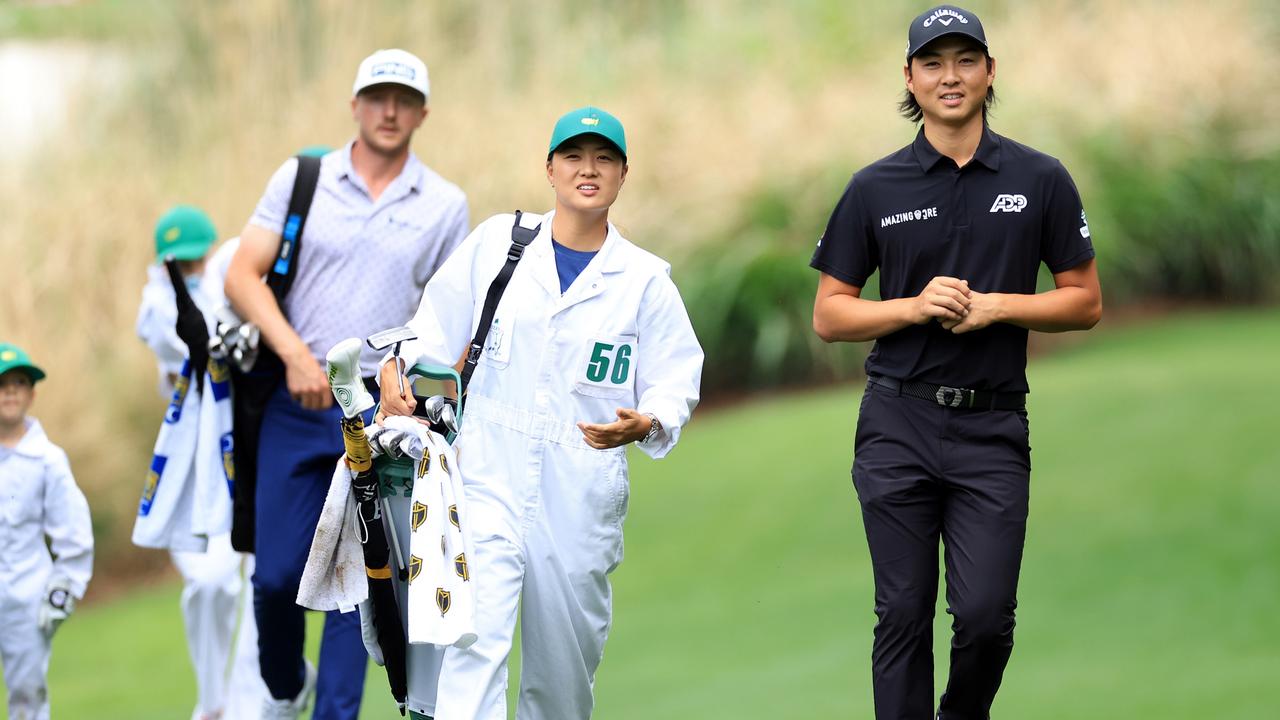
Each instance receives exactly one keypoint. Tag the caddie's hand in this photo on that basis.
(307, 383)
(55, 608)
(984, 309)
(629, 427)
(943, 299)
(393, 401)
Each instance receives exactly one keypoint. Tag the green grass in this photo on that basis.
(1149, 582)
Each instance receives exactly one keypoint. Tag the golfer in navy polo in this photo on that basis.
(958, 224)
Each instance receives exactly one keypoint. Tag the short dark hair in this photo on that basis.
(910, 109)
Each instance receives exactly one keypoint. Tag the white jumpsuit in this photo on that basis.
(214, 592)
(546, 508)
(38, 499)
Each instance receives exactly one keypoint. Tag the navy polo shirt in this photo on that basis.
(915, 215)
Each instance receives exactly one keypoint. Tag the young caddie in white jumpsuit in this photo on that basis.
(213, 583)
(39, 503)
(571, 373)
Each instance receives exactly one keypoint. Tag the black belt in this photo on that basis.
(371, 384)
(953, 397)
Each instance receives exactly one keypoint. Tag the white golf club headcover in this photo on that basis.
(348, 388)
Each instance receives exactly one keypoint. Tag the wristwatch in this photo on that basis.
(58, 598)
(654, 427)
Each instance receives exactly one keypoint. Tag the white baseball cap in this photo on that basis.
(392, 66)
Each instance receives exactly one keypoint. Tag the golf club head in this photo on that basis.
(449, 418)
(439, 411)
(246, 338)
(217, 348)
(431, 407)
(410, 446)
(386, 338)
(387, 442)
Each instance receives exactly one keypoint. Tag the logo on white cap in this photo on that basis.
(392, 68)
(945, 16)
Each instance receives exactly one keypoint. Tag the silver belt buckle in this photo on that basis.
(949, 396)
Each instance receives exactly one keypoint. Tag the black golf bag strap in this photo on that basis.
(521, 236)
(285, 269)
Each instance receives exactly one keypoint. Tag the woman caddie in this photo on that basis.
(590, 349)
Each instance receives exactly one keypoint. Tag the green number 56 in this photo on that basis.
(598, 366)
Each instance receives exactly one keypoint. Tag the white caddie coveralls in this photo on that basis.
(38, 499)
(214, 591)
(546, 508)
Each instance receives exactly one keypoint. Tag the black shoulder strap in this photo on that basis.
(280, 279)
(520, 238)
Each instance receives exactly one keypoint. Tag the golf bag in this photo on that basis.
(257, 371)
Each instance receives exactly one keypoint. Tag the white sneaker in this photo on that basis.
(273, 709)
(348, 388)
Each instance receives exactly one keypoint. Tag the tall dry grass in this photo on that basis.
(724, 102)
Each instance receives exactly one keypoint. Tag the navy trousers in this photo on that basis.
(297, 452)
(925, 473)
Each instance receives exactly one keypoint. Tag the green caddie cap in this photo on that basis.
(184, 232)
(12, 357)
(589, 121)
(315, 151)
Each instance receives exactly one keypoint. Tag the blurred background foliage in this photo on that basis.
(745, 120)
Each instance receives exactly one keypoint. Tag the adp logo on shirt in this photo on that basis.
(1009, 203)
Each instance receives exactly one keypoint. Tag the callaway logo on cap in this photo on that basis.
(943, 20)
(946, 16)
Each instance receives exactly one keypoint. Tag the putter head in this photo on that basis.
(386, 338)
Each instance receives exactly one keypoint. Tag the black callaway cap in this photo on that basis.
(943, 20)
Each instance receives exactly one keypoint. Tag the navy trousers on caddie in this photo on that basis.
(925, 473)
(297, 451)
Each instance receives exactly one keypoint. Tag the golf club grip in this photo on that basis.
(356, 445)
